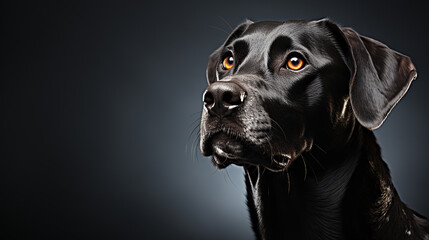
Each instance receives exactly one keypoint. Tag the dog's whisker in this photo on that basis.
(220, 29)
(226, 22)
(263, 171)
(194, 144)
(196, 124)
(321, 149)
(198, 113)
(288, 182)
(195, 147)
(281, 129)
(229, 177)
(316, 160)
(195, 128)
(314, 173)
(224, 178)
(198, 120)
(271, 148)
(305, 167)
(215, 171)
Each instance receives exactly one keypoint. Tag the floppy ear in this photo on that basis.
(214, 57)
(380, 75)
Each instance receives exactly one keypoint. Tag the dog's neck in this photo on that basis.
(317, 197)
(295, 204)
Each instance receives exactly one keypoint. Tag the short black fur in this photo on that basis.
(313, 168)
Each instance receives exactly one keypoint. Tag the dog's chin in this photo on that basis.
(226, 150)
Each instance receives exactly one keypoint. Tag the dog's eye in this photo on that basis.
(295, 63)
(228, 63)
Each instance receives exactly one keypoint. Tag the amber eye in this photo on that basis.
(228, 63)
(295, 63)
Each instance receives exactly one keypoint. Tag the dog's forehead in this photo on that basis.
(269, 27)
(268, 31)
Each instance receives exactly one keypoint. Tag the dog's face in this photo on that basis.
(277, 87)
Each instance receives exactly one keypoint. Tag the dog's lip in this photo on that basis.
(277, 163)
(223, 159)
(221, 134)
(219, 146)
(219, 152)
(229, 146)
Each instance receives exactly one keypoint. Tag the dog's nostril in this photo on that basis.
(227, 97)
(233, 98)
(208, 98)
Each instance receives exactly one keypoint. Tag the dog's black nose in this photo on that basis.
(222, 98)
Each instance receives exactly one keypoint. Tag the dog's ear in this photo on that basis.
(380, 75)
(214, 57)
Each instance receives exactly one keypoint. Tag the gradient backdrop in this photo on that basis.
(99, 101)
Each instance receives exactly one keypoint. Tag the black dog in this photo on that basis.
(294, 104)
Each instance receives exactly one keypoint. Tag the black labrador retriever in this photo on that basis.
(294, 103)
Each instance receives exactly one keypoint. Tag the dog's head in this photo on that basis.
(277, 87)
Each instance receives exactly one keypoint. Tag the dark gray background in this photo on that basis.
(99, 100)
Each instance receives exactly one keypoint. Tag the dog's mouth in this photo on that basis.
(227, 149)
